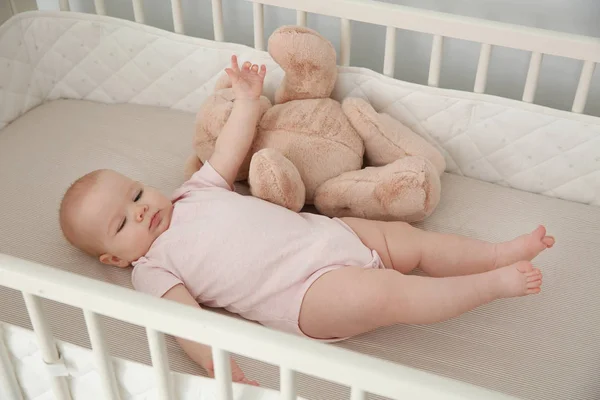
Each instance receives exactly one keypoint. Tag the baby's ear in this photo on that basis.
(113, 260)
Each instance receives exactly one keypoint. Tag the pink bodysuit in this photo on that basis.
(246, 255)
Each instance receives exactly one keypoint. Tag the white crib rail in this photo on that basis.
(294, 354)
(9, 386)
(101, 356)
(345, 42)
(287, 383)
(583, 88)
(45, 340)
(389, 58)
(533, 75)
(138, 11)
(222, 373)
(64, 5)
(160, 361)
(177, 16)
(217, 14)
(259, 26)
(482, 68)
(435, 65)
(301, 18)
(393, 17)
(440, 25)
(100, 7)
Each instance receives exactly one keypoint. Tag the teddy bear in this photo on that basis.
(344, 158)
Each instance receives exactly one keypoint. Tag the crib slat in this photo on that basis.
(259, 26)
(357, 394)
(345, 42)
(138, 11)
(160, 362)
(221, 360)
(533, 75)
(100, 7)
(9, 386)
(177, 16)
(585, 81)
(287, 384)
(436, 61)
(101, 356)
(46, 343)
(301, 17)
(217, 14)
(389, 59)
(482, 68)
(64, 5)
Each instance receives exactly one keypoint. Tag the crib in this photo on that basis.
(47, 69)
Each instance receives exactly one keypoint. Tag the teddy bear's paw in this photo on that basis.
(224, 82)
(387, 139)
(276, 179)
(309, 62)
(406, 190)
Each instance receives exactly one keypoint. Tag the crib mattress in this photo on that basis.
(538, 347)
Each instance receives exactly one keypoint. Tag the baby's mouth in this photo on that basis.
(155, 220)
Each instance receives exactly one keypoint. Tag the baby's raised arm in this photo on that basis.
(235, 139)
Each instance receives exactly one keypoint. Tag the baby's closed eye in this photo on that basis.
(136, 198)
(122, 225)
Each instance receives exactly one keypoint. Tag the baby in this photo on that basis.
(303, 273)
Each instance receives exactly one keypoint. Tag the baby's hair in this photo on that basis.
(70, 201)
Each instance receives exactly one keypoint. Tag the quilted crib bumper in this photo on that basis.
(51, 55)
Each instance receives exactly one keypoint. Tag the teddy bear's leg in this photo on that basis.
(309, 62)
(274, 178)
(405, 190)
(387, 139)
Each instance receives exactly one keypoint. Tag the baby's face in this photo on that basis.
(125, 217)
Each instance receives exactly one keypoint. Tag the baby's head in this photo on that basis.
(113, 217)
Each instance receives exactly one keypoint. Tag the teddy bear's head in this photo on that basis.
(309, 61)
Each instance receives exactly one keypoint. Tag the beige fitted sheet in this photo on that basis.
(540, 347)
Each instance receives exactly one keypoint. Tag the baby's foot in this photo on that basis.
(519, 279)
(525, 247)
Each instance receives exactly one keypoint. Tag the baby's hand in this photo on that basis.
(247, 83)
(237, 375)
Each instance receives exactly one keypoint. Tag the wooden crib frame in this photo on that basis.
(292, 354)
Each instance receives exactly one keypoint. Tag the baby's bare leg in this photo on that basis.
(350, 301)
(404, 247)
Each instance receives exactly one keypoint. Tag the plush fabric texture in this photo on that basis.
(309, 61)
(316, 136)
(409, 187)
(211, 118)
(311, 140)
(387, 139)
(270, 171)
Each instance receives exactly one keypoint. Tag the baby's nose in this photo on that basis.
(140, 212)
